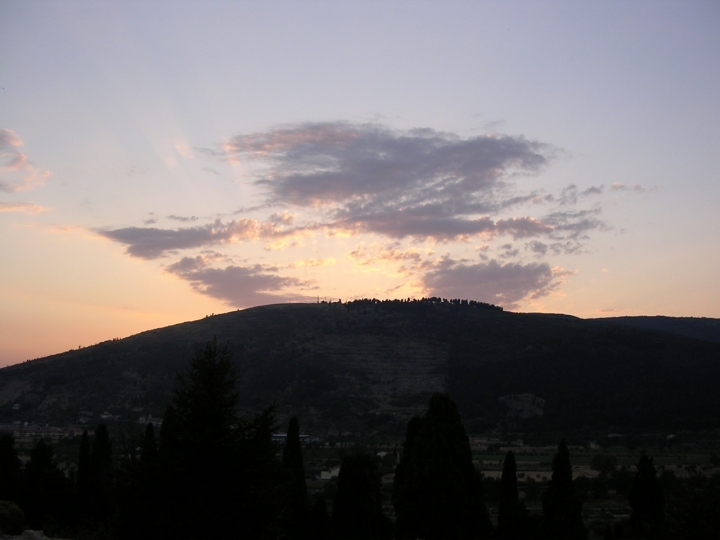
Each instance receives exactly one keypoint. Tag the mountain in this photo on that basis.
(366, 367)
(694, 327)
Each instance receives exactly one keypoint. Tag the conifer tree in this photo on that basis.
(296, 510)
(562, 508)
(149, 454)
(319, 522)
(200, 449)
(101, 474)
(357, 509)
(647, 501)
(437, 491)
(10, 470)
(47, 491)
(83, 476)
(511, 513)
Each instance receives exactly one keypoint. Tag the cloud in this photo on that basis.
(184, 219)
(637, 188)
(21, 207)
(369, 178)
(17, 172)
(238, 286)
(502, 284)
(152, 242)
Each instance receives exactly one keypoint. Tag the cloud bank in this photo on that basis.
(404, 187)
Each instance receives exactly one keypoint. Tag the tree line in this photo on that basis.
(213, 474)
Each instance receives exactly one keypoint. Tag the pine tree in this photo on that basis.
(562, 508)
(647, 501)
(438, 492)
(201, 444)
(511, 513)
(296, 510)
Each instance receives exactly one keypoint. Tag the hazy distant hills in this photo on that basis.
(365, 368)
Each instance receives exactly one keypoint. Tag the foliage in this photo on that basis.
(357, 509)
(10, 470)
(12, 518)
(562, 508)
(296, 510)
(647, 501)
(512, 515)
(437, 491)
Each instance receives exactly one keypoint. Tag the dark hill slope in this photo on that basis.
(367, 367)
(694, 327)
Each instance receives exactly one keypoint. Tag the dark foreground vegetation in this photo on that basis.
(212, 474)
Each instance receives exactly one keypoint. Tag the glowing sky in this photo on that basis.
(160, 161)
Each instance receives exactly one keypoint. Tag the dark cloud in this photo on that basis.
(151, 242)
(239, 286)
(183, 219)
(501, 284)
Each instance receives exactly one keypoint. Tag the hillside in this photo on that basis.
(366, 367)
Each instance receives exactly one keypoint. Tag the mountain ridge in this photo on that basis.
(366, 367)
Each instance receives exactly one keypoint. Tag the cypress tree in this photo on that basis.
(296, 510)
(319, 522)
(10, 470)
(437, 491)
(101, 474)
(511, 513)
(562, 508)
(46, 490)
(83, 476)
(149, 454)
(647, 501)
(357, 509)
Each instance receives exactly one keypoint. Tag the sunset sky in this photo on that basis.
(161, 161)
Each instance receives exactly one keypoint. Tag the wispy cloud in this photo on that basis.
(17, 172)
(21, 207)
(238, 286)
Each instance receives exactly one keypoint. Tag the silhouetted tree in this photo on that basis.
(47, 490)
(511, 513)
(647, 501)
(357, 509)
(437, 491)
(101, 475)
(295, 520)
(200, 447)
(562, 508)
(83, 477)
(319, 523)
(149, 454)
(138, 492)
(10, 470)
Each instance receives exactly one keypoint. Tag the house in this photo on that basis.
(329, 475)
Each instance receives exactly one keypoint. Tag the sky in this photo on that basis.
(162, 161)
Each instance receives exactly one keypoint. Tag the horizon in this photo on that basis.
(161, 162)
